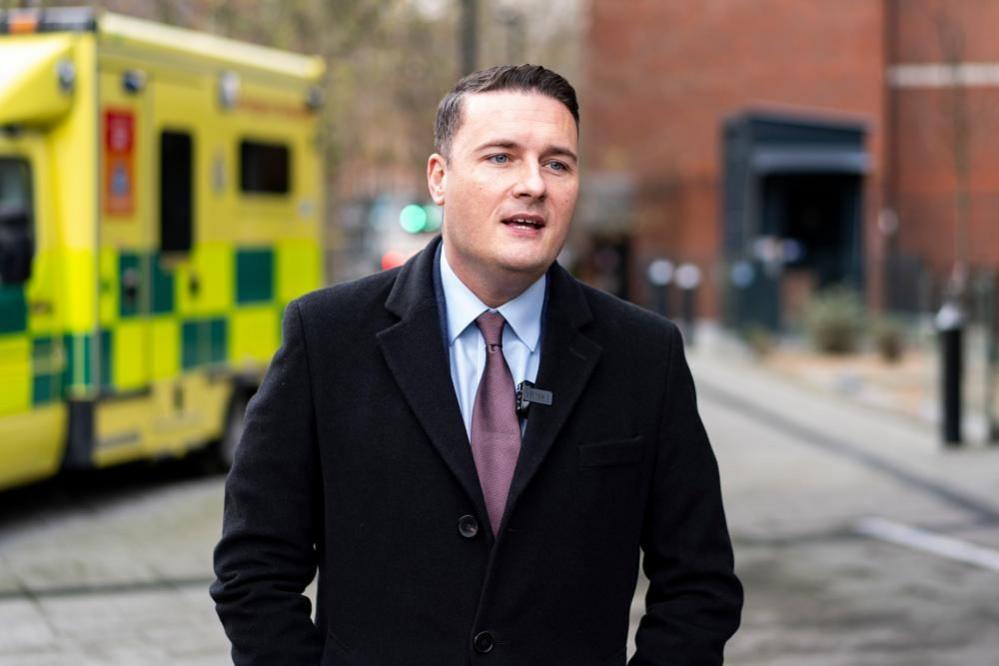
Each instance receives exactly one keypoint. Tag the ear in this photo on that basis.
(437, 177)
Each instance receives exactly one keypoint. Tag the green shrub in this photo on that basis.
(889, 339)
(834, 320)
(759, 338)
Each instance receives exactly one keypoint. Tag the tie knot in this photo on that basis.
(491, 325)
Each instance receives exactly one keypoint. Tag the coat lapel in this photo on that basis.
(567, 360)
(418, 359)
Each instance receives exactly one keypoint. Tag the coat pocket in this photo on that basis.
(611, 453)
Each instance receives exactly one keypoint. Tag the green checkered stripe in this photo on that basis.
(46, 374)
(203, 340)
(13, 309)
(162, 291)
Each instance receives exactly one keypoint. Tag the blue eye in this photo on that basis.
(558, 166)
(499, 159)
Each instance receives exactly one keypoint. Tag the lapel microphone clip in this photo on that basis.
(527, 394)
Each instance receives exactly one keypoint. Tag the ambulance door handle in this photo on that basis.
(130, 283)
(194, 285)
(40, 307)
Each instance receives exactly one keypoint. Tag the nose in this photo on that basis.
(530, 182)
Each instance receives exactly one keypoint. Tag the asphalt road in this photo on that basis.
(113, 568)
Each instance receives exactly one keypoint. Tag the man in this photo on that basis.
(385, 447)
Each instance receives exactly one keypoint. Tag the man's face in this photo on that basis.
(509, 187)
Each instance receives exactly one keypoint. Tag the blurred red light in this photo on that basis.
(391, 259)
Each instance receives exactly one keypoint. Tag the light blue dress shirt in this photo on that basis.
(467, 348)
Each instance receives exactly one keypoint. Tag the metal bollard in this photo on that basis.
(688, 278)
(987, 304)
(950, 322)
(660, 274)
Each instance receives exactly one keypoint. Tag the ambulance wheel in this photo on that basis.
(235, 423)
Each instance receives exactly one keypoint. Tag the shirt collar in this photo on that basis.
(463, 307)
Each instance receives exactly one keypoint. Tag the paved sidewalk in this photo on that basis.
(117, 576)
(802, 470)
(965, 480)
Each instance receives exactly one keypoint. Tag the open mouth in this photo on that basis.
(525, 221)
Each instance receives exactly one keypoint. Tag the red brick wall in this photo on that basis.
(919, 24)
(663, 74)
(924, 174)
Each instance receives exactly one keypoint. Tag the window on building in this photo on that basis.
(176, 191)
(264, 167)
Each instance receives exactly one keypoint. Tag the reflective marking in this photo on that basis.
(937, 544)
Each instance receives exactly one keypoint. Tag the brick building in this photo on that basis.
(794, 144)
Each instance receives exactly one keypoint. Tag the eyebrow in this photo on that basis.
(509, 145)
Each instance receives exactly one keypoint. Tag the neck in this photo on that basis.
(492, 289)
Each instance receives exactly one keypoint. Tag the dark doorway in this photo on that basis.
(814, 215)
(793, 215)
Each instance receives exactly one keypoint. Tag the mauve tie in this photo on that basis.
(495, 427)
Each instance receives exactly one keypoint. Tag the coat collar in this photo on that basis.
(417, 356)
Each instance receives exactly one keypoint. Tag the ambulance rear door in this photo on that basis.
(32, 412)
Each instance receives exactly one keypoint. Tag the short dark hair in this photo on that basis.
(526, 78)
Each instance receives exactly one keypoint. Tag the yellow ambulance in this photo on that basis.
(160, 204)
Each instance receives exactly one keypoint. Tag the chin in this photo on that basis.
(523, 266)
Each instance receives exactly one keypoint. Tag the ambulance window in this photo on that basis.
(176, 191)
(16, 212)
(15, 190)
(264, 167)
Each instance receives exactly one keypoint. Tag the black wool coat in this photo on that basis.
(355, 463)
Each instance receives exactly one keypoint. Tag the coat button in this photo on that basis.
(468, 526)
(483, 642)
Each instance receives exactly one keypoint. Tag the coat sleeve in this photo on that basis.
(267, 554)
(694, 600)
